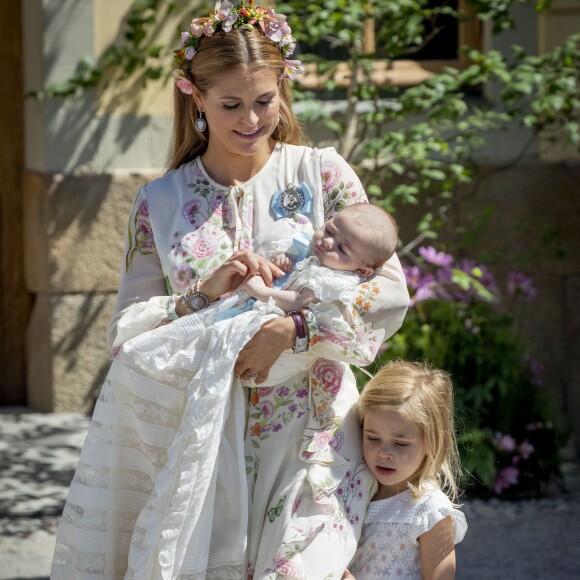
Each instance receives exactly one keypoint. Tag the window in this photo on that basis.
(440, 51)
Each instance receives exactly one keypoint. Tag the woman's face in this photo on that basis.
(242, 111)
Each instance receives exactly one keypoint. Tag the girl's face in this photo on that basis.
(242, 111)
(393, 448)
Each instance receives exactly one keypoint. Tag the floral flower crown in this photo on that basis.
(225, 16)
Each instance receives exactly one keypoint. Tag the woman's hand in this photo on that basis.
(242, 265)
(263, 350)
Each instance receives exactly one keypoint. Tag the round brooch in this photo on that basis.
(292, 198)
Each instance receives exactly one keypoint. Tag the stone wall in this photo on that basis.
(74, 228)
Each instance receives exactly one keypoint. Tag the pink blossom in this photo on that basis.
(505, 478)
(285, 566)
(274, 25)
(144, 227)
(330, 175)
(143, 208)
(292, 68)
(431, 255)
(265, 391)
(182, 83)
(203, 247)
(321, 439)
(202, 26)
(224, 13)
(184, 38)
(329, 374)
(181, 275)
(267, 409)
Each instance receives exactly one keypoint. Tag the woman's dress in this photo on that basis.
(304, 484)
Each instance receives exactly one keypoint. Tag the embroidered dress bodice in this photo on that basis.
(389, 544)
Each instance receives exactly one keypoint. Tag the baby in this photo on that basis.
(357, 240)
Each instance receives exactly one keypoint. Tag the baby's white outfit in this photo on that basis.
(389, 547)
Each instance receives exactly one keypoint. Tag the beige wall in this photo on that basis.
(562, 20)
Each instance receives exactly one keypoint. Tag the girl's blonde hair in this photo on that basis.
(424, 396)
(219, 55)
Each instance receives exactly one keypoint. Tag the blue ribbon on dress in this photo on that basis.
(291, 200)
(298, 251)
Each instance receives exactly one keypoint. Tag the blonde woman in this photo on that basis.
(289, 476)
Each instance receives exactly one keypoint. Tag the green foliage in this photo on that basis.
(507, 440)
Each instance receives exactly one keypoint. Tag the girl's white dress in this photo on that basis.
(185, 472)
(389, 547)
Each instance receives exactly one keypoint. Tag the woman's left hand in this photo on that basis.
(242, 265)
(262, 351)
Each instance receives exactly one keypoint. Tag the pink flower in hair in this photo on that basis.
(274, 25)
(223, 11)
(184, 38)
(190, 52)
(292, 68)
(183, 83)
(202, 26)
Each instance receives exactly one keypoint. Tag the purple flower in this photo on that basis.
(293, 407)
(301, 393)
(277, 427)
(267, 409)
(504, 442)
(536, 370)
(190, 209)
(520, 285)
(224, 12)
(282, 391)
(184, 38)
(526, 449)
(337, 441)
(431, 255)
(274, 25)
(505, 478)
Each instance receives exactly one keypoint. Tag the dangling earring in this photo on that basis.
(200, 123)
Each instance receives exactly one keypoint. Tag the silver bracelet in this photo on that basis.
(193, 300)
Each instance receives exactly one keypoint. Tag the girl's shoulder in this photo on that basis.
(434, 506)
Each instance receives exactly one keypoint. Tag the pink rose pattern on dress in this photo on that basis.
(329, 374)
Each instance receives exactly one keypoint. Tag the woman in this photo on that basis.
(239, 179)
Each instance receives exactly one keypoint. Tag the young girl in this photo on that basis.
(411, 526)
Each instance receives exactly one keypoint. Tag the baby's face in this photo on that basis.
(339, 244)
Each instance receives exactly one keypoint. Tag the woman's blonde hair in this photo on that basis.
(424, 396)
(218, 55)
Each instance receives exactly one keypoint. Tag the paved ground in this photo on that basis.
(534, 539)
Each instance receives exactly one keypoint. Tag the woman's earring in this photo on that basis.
(200, 123)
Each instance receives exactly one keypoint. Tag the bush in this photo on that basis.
(507, 441)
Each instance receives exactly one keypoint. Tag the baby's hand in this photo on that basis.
(283, 262)
(348, 576)
(255, 287)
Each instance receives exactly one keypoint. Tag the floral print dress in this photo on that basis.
(306, 484)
